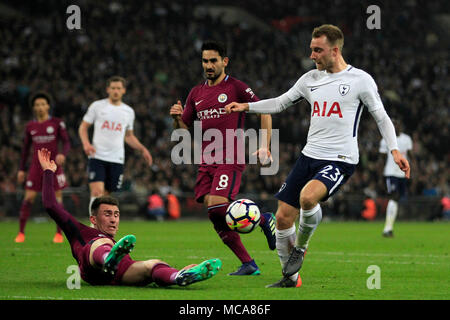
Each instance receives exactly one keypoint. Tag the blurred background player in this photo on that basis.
(217, 184)
(337, 93)
(101, 260)
(113, 124)
(44, 131)
(396, 182)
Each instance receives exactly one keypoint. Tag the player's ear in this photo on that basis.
(93, 220)
(225, 61)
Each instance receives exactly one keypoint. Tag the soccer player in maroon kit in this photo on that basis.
(44, 131)
(217, 184)
(102, 260)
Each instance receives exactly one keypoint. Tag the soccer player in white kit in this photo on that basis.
(337, 93)
(396, 182)
(113, 124)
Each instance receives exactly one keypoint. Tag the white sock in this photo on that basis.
(309, 220)
(285, 243)
(391, 214)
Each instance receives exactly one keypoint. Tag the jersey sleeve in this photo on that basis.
(189, 113)
(369, 93)
(130, 124)
(245, 93)
(89, 117)
(280, 103)
(297, 92)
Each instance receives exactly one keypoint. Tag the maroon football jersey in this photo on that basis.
(47, 135)
(207, 104)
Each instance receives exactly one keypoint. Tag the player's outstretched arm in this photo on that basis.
(402, 162)
(45, 161)
(55, 210)
(236, 107)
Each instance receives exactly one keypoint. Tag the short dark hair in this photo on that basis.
(116, 79)
(216, 46)
(38, 95)
(334, 35)
(103, 200)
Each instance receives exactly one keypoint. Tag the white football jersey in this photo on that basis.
(391, 168)
(110, 125)
(337, 101)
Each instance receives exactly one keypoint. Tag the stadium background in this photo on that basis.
(155, 46)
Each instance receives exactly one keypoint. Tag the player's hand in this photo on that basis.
(176, 110)
(60, 159)
(147, 156)
(402, 162)
(236, 107)
(20, 176)
(45, 161)
(264, 156)
(89, 149)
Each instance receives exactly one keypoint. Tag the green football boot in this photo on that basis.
(123, 247)
(200, 272)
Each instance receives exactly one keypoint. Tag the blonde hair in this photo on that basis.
(334, 35)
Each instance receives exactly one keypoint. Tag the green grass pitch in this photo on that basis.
(415, 265)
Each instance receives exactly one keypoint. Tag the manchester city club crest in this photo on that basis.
(343, 89)
(222, 98)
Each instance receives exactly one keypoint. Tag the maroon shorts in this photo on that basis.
(96, 276)
(219, 180)
(34, 179)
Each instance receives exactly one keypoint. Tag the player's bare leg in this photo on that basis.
(25, 209)
(310, 217)
(217, 208)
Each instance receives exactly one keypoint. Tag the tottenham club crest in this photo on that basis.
(222, 98)
(344, 89)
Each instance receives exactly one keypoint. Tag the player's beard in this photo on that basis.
(214, 76)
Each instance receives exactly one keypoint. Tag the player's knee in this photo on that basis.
(149, 264)
(285, 215)
(308, 200)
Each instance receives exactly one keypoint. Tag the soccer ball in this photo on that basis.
(243, 216)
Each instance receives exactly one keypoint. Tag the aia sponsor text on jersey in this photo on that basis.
(113, 126)
(324, 112)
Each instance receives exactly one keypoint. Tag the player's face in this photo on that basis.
(107, 219)
(115, 91)
(213, 64)
(41, 108)
(322, 53)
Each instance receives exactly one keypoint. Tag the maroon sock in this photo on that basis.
(100, 253)
(163, 274)
(25, 210)
(231, 238)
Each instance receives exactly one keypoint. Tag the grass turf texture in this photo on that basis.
(414, 265)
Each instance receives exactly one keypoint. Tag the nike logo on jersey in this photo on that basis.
(312, 89)
(198, 102)
(217, 188)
